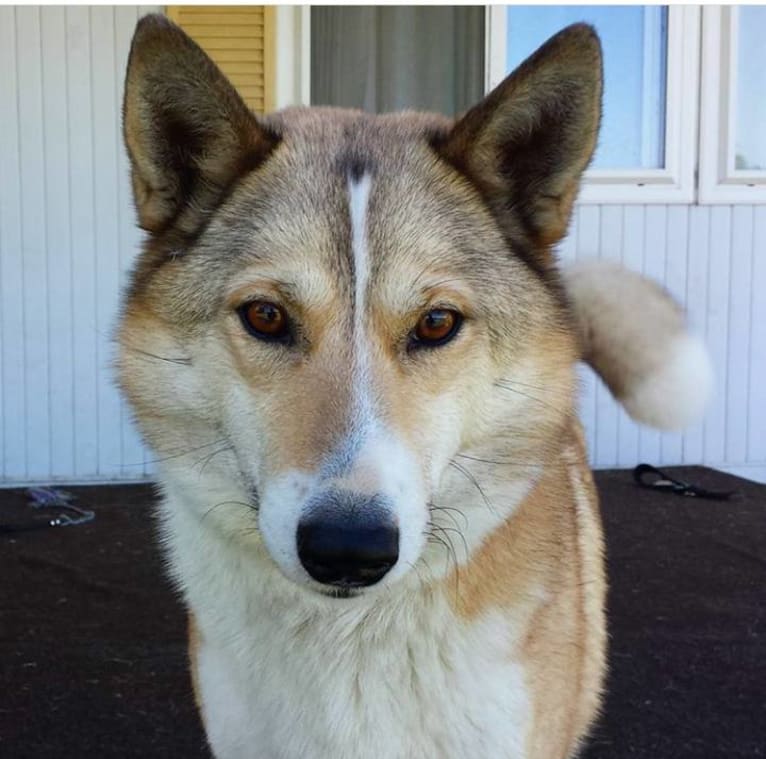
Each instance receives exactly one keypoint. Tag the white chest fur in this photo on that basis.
(282, 676)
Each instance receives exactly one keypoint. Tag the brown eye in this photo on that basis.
(437, 327)
(265, 320)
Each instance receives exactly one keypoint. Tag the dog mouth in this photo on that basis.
(340, 592)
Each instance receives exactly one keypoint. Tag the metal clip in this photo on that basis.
(53, 498)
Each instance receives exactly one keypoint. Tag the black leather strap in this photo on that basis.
(648, 476)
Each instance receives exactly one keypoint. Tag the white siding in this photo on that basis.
(68, 236)
(713, 259)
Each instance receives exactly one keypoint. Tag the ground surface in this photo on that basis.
(92, 639)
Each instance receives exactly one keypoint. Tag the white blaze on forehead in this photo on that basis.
(359, 197)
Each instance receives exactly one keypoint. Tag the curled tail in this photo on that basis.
(636, 338)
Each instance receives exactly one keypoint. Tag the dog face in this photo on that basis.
(332, 308)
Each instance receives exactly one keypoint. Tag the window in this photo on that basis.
(634, 39)
(646, 147)
(682, 88)
(395, 58)
(366, 58)
(733, 110)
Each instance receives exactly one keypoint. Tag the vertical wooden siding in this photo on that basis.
(68, 237)
(713, 259)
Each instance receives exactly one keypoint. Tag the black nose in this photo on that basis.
(348, 547)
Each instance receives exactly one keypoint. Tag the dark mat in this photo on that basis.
(92, 639)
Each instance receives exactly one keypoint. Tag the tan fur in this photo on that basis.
(544, 566)
(194, 645)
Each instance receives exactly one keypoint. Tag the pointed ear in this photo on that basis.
(526, 145)
(188, 133)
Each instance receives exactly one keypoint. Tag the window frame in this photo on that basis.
(719, 181)
(292, 75)
(700, 49)
(675, 183)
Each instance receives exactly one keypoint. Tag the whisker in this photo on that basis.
(507, 385)
(498, 463)
(182, 360)
(417, 570)
(541, 388)
(207, 459)
(469, 476)
(228, 503)
(447, 531)
(185, 452)
(450, 511)
(446, 282)
(448, 539)
(436, 539)
(427, 565)
(432, 538)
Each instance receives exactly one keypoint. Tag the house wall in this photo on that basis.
(68, 237)
(713, 259)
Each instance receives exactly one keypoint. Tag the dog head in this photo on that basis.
(332, 308)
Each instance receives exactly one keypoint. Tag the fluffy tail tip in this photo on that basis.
(676, 392)
(636, 338)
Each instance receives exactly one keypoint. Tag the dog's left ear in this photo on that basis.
(526, 145)
(188, 133)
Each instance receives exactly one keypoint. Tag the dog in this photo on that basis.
(349, 343)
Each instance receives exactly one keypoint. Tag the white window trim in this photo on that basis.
(292, 81)
(719, 181)
(676, 182)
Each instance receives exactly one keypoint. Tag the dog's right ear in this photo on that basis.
(188, 133)
(526, 145)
